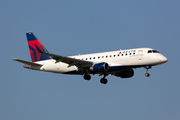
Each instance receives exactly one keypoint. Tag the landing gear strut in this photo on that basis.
(147, 67)
(104, 80)
(87, 77)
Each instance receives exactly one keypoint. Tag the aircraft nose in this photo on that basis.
(163, 59)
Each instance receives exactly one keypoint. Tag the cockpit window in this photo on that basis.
(152, 51)
(149, 51)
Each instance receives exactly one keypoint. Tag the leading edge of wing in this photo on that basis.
(68, 60)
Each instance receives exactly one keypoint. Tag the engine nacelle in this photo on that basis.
(126, 74)
(100, 67)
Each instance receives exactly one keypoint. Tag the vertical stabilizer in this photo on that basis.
(33, 43)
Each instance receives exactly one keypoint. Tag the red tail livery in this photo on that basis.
(35, 55)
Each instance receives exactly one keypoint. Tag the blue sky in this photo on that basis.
(79, 27)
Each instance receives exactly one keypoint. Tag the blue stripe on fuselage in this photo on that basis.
(111, 69)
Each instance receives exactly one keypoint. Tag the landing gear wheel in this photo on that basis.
(103, 80)
(87, 77)
(147, 74)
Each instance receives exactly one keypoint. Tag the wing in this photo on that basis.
(71, 61)
(26, 62)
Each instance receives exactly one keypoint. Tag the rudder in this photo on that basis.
(33, 43)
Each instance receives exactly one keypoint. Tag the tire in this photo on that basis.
(147, 74)
(87, 77)
(103, 80)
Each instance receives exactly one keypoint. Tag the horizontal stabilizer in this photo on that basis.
(26, 62)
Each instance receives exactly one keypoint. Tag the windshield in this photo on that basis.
(152, 51)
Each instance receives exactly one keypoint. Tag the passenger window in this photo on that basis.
(90, 58)
(129, 53)
(133, 53)
(98, 57)
(118, 54)
(110, 55)
(102, 56)
(121, 54)
(86, 58)
(94, 57)
(106, 56)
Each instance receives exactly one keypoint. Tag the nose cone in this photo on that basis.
(163, 59)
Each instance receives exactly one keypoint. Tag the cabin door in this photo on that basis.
(140, 54)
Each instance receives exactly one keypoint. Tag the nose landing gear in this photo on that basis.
(147, 67)
(147, 74)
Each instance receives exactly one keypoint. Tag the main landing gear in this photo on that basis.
(103, 80)
(147, 67)
(87, 77)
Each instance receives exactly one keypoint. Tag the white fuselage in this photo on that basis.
(117, 60)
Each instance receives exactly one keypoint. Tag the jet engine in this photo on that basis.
(125, 74)
(99, 67)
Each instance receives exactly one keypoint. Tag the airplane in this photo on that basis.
(118, 63)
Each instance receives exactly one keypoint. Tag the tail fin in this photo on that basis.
(33, 43)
